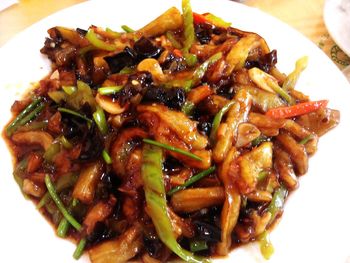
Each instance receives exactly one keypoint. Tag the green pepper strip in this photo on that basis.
(32, 109)
(109, 90)
(173, 149)
(293, 77)
(18, 174)
(66, 144)
(198, 74)
(192, 180)
(188, 107)
(151, 171)
(217, 120)
(277, 202)
(170, 36)
(188, 25)
(306, 139)
(93, 38)
(60, 206)
(80, 249)
(69, 89)
(74, 113)
(189, 34)
(217, 21)
(266, 247)
(198, 245)
(112, 32)
(127, 29)
(106, 157)
(100, 119)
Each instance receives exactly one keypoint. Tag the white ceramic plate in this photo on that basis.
(315, 226)
(336, 14)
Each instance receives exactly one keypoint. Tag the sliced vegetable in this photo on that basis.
(69, 89)
(200, 71)
(120, 249)
(306, 139)
(65, 143)
(297, 110)
(217, 21)
(195, 199)
(84, 189)
(100, 120)
(51, 152)
(268, 83)
(64, 181)
(266, 247)
(152, 177)
(14, 124)
(112, 33)
(198, 245)
(63, 227)
(293, 77)
(127, 29)
(74, 113)
(189, 35)
(51, 189)
(19, 173)
(277, 202)
(188, 107)
(106, 157)
(80, 249)
(170, 36)
(97, 42)
(57, 95)
(173, 149)
(109, 90)
(217, 120)
(192, 180)
(198, 18)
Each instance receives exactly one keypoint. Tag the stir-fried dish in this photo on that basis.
(180, 139)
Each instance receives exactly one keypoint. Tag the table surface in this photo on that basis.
(304, 16)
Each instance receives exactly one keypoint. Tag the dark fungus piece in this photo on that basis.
(136, 84)
(146, 49)
(203, 32)
(207, 231)
(264, 63)
(82, 32)
(153, 245)
(101, 232)
(126, 58)
(173, 98)
(92, 145)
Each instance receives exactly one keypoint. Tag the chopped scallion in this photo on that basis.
(52, 191)
(74, 113)
(192, 180)
(173, 149)
(100, 119)
(106, 157)
(127, 29)
(109, 90)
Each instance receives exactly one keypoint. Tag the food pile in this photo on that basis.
(181, 138)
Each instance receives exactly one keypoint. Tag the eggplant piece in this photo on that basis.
(126, 58)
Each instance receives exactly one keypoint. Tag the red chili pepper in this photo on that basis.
(198, 18)
(296, 110)
(178, 53)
